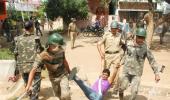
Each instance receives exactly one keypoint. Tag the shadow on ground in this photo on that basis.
(110, 96)
(139, 97)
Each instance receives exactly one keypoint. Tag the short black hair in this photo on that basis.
(106, 71)
(28, 25)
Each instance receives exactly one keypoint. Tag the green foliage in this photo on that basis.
(67, 9)
(6, 54)
(41, 10)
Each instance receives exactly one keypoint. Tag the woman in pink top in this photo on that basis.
(98, 89)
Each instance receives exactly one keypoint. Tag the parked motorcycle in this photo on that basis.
(93, 31)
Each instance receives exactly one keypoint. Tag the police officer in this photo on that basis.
(54, 60)
(25, 51)
(72, 31)
(112, 52)
(135, 56)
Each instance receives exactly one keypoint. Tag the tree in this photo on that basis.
(41, 10)
(67, 9)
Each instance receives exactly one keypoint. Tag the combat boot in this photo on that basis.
(121, 96)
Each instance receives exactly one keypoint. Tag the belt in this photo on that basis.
(110, 52)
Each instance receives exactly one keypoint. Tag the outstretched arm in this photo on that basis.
(99, 48)
(153, 64)
(31, 77)
(36, 65)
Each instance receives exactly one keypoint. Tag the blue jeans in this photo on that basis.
(36, 89)
(90, 94)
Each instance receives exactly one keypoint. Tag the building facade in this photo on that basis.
(128, 9)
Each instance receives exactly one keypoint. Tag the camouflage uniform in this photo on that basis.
(133, 66)
(73, 33)
(57, 73)
(26, 51)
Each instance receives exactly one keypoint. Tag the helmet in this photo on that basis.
(114, 24)
(28, 25)
(120, 26)
(141, 32)
(55, 38)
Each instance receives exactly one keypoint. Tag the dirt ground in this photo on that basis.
(86, 57)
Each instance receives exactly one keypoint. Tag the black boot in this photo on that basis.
(120, 96)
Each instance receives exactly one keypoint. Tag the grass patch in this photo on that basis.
(6, 54)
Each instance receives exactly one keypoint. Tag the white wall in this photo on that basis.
(7, 68)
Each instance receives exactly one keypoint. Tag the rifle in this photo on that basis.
(29, 92)
(39, 47)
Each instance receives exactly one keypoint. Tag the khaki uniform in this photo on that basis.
(150, 28)
(57, 73)
(113, 53)
(133, 66)
(113, 50)
(73, 33)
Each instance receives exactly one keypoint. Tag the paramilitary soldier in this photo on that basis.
(113, 52)
(135, 55)
(54, 60)
(25, 51)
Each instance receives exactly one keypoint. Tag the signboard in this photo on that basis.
(25, 7)
(135, 6)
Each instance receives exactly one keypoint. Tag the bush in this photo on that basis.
(6, 54)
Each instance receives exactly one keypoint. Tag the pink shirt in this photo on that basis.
(105, 85)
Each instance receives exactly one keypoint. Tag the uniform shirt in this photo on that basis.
(26, 50)
(135, 58)
(55, 67)
(111, 42)
(72, 27)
